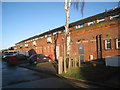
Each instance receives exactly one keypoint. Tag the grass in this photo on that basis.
(99, 73)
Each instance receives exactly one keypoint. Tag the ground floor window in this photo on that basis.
(118, 43)
(108, 44)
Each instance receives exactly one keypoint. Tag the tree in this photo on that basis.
(67, 5)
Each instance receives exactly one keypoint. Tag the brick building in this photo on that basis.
(92, 38)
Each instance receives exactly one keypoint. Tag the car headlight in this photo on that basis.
(44, 58)
(4, 56)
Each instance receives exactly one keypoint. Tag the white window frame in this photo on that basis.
(36, 38)
(90, 23)
(54, 33)
(34, 43)
(45, 36)
(26, 45)
(107, 43)
(117, 43)
(42, 37)
(113, 17)
(101, 20)
(49, 40)
(76, 27)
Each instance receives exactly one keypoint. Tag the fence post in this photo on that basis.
(60, 65)
(65, 57)
(79, 61)
(69, 63)
(75, 62)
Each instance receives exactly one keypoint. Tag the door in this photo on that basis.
(81, 58)
(81, 49)
(81, 52)
(57, 51)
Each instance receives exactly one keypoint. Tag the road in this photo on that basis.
(16, 77)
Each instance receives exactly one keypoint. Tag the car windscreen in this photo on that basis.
(8, 54)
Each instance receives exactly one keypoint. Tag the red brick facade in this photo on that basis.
(92, 37)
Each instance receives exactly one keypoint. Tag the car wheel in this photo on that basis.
(35, 62)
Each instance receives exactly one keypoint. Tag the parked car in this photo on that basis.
(5, 55)
(18, 57)
(38, 58)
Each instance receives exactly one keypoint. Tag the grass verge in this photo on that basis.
(98, 73)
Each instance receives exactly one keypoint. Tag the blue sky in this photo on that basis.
(21, 20)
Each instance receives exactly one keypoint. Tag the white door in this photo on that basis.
(57, 51)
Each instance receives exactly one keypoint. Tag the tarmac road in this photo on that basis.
(16, 77)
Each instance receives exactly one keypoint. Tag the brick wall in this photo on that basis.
(86, 36)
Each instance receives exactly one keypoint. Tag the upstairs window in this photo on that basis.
(36, 38)
(45, 36)
(54, 33)
(108, 44)
(90, 23)
(101, 20)
(118, 43)
(114, 17)
(20, 46)
(79, 26)
(26, 45)
(34, 43)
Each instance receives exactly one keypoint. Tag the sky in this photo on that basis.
(21, 20)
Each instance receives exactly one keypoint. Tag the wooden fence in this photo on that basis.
(65, 64)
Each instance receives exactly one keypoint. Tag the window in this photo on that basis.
(114, 17)
(59, 32)
(79, 26)
(90, 23)
(42, 37)
(26, 45)
(49, 40)
(118, 43)
(54, 33)
(76, 27)
(108, 44)
(36, 38)
(101, 20)
(20, 46)
(45, 35)
(34, 43)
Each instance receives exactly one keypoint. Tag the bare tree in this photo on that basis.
(67, 5)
